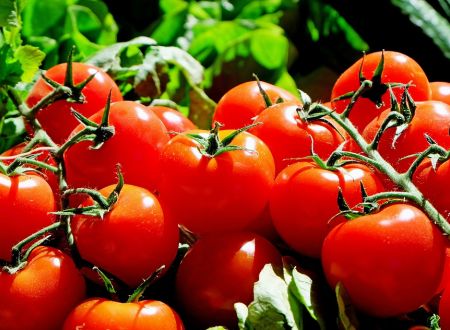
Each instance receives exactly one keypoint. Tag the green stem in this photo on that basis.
(365, 85)
(134, 297)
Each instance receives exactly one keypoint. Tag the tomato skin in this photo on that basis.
(100, 314)
(25, 203)
(218, 271)
(390, 262)
(289, 137)
(431, 117)
(132, 240)
(216, 194)
(444, 307)
(57, 119)
(173, 120)
(303, 202)
(239, 105)
(398, 68)
(440, 91)
(42, 294)
(136, 145)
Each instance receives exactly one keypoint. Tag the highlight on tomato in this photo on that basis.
(173, 120)
(440, 91)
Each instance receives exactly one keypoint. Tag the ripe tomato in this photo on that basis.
(242, 103)
(218, 271)
(444, 308)
(431, 118)
(289, 137)
(398, 68)
(100, 314)
(390, 262)
(215, 194)
(174, 120)
(25, 203)
(57, 119)
(304, 201)
(136, 145)
(132, 240)
(440, 91)
(41, 295)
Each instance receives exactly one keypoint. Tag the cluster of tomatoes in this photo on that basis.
(258, 181)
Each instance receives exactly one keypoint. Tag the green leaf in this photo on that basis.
(54, 12)
(30, 59)
(269, 48)
(11, 71)
(347, 314)
(8, 14)
(429, 20)
(242, 316)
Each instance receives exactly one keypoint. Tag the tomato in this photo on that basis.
(390, 262)
(303, 202)
(172, 119)
(289, 137)
(433, 184)
(215, 194)
(25, 203)
(136, 145)
(57, 119)
(444, 308)
(398, 68)
(242, 103)
(218, 271)
(431, 118)
(100, 314)
(440, 91)
(132, 240)
(41, 295)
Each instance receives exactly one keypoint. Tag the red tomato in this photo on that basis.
(218, 271)
(242, 103)
(390, 262)
(25, 203)
(216, 194)
(304, 201)
(41, 295)
(100, 314)
(57, 119)
(433, 184)
(398, 68)
(136, 145)
(132, 240)
(174, 120)
(444, 308)
(289, 137)
(431, 117)
(440, 91)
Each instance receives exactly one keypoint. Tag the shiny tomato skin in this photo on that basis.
(218, 271)
(390, 262)
(173, 120)
(440, 91)
(100, 314)
(398, 68)
(303, 202)
(289, 137)
(216, 194)
(431, 118)
(132, 240)
(57, 119)
(41, 295)
(136, 145)
(25, 203)
(444, 307)
(242, 103)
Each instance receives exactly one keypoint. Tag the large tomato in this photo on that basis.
(303, 202)
(242, 103)
(132, 240)
(440, 91)
(41, 295)
(57, 119)
(444, 306)
(218, 271)
(390, 262)
(100, 314)
(289, 137)
(136, 145)
(25, 203)
(431, 118)
(215, 194)
(398, 68)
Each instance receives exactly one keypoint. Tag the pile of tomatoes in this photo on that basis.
(201, 211)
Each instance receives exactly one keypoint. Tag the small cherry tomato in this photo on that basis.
(174, 120)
